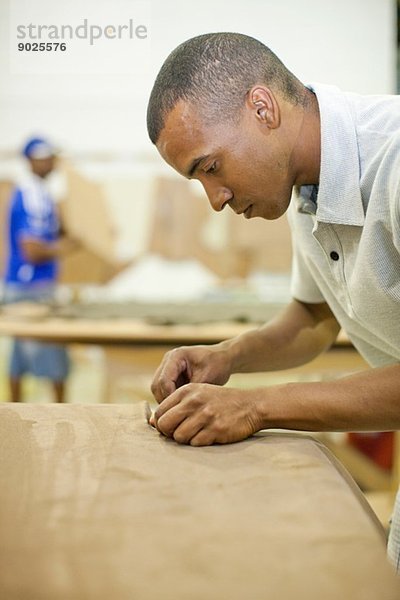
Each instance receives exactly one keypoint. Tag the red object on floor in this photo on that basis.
(379, 447)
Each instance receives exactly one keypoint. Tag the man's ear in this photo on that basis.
(262, 101)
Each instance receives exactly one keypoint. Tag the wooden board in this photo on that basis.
(86, 217)
(6, 188)
(265, 245)
(85, 266)
(117, 331)
(182, 219)
(97, 505)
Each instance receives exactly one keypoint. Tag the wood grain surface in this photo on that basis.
(95, 504)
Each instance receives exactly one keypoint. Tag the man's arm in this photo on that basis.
(297, 335)
(37, 251)
(365, 401)
(202, 414)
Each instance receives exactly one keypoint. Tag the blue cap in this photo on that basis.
(38, 148)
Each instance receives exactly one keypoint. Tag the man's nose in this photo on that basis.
(218, 196)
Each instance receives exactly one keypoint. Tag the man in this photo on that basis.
(31, 270)
(226, 111)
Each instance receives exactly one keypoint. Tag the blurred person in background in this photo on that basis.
(34, 246)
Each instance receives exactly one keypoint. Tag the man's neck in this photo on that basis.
(308, 143)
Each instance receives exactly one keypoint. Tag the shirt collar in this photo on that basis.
(339, 196)
(307, 202)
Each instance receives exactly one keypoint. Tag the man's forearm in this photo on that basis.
(367, 401)
(294, 337)
(37, 251)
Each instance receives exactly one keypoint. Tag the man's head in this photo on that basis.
(222, 110)
(216, 71)
(41, 156)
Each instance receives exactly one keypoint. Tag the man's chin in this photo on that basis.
(248, 213)
(275, 213)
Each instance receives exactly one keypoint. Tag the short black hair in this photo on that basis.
(217, 69)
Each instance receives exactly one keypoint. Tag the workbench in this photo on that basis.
(95, 504)
(134, 347)
(138, 323)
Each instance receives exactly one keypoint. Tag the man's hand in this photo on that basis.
(202, 414)
(37, 251)
(191, 364)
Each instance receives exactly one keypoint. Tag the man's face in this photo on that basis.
(243, 164)
(42, 166)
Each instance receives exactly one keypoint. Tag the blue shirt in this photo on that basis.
(32, 214)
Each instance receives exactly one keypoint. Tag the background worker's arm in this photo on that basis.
(37, 251)
(297, 335)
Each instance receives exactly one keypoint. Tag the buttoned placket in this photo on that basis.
(331, 246)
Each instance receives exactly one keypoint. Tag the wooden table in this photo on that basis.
(117, 331)
(133, 348)
(136, 323)
(95, 504)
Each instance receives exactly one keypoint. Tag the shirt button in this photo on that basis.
(334, 255)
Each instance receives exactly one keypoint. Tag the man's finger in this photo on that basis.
(166, 405)
(203, 438)
(169, 376)
(170, 420)
(188, 429)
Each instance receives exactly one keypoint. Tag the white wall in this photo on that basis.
(350, 43)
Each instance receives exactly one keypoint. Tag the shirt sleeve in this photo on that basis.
(395, 203)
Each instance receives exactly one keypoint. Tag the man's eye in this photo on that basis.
(212, 168)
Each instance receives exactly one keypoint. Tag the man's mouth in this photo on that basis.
(244, 212)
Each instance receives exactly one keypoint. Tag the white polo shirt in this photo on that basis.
(346, 235)
(348, 253)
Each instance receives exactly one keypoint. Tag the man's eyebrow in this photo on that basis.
(194, 164)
